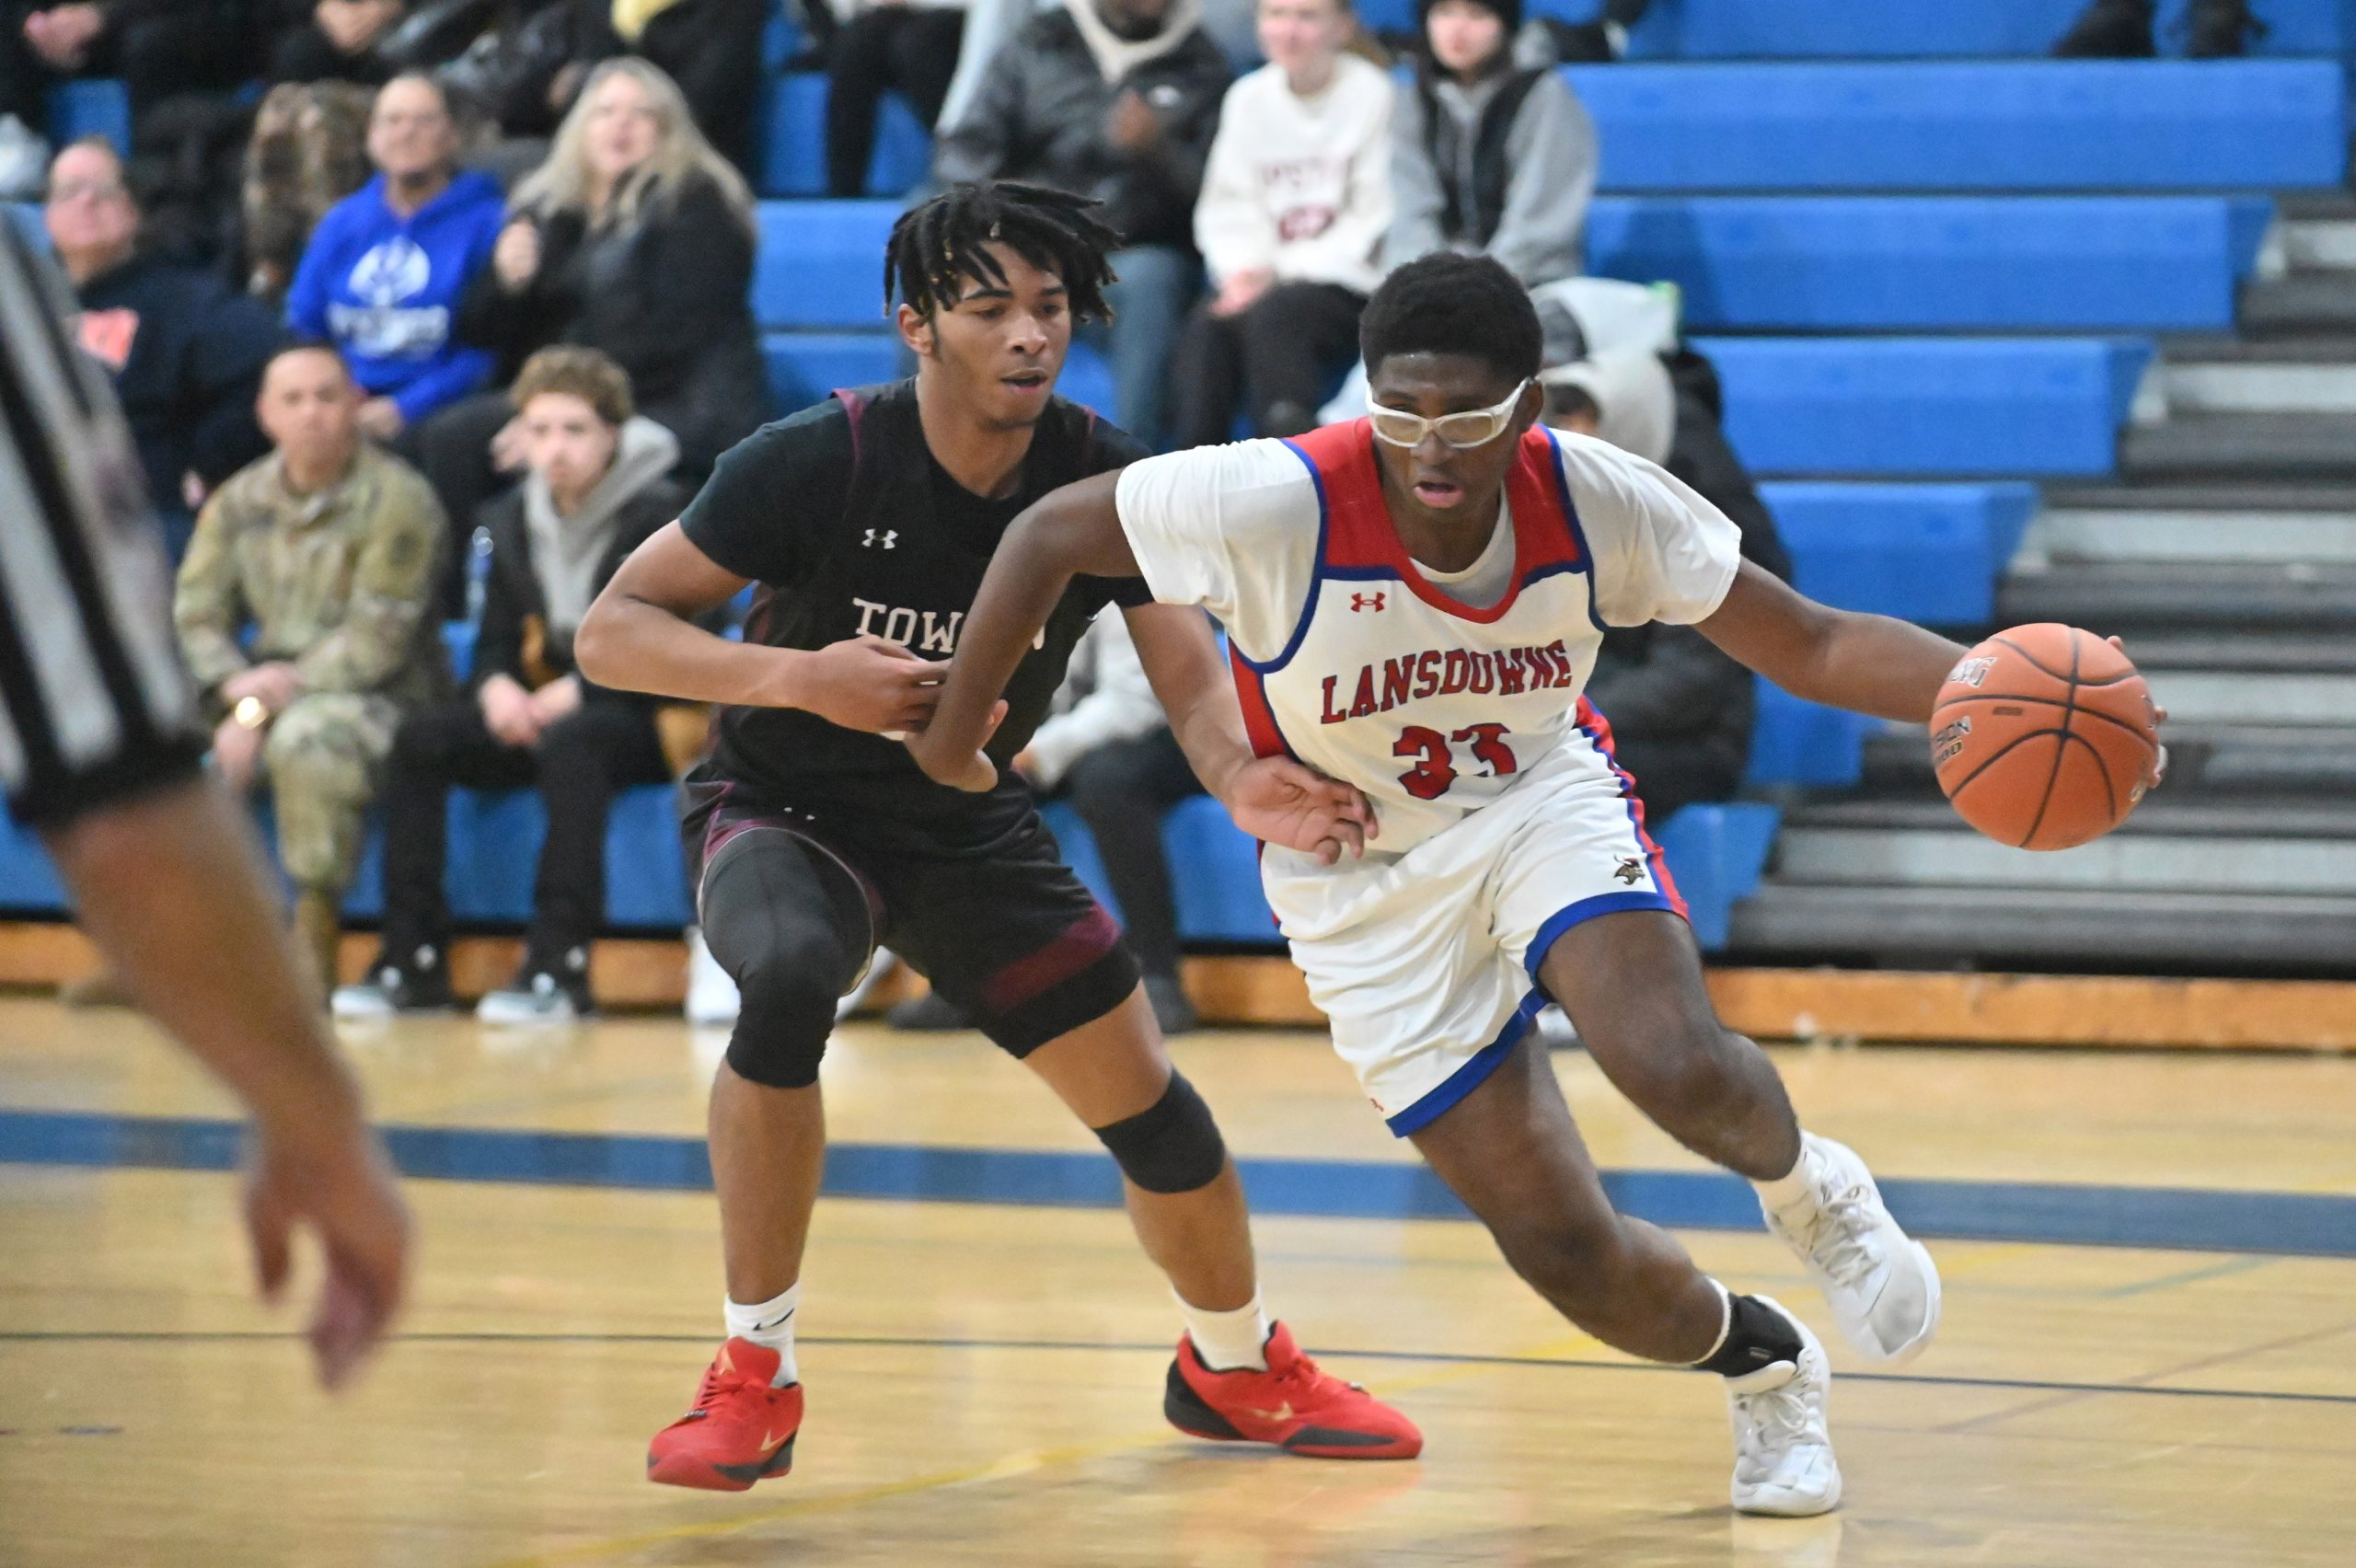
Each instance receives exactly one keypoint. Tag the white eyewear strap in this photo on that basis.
(1473, 427)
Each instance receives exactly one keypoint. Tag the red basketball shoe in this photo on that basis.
(740, 1430)
(1292, 1405)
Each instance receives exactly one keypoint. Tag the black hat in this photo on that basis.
(1508, 12)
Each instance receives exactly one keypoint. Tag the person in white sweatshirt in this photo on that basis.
(1295, 204)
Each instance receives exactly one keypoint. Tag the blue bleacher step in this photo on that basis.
(1969, 126)
(1804, 744)
(1716, 855)
(1930, 553)
(820, 264)
(793, 145)
(1914, 263)
(92, 106)
(1928, 406)
(1787, 29)
(1756, 263)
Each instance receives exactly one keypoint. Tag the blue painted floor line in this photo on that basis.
(2070, 1213)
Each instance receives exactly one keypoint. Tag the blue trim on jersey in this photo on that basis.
(1316, 582)
(1570, 914)
(1471, 1074)
(1578, 534)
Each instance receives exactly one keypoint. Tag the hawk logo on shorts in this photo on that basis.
(1366, 600)
(1631, 871)
(890, 537)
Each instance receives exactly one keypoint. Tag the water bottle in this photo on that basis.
(478, 575)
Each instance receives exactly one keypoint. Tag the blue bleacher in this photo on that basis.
(820, 264)
(1817, 263)
(90, 106)
(793, 142)
(1856, 263)
(1978, 125)
(1928, 406)
(1924, 552)
(1847, 125)
(1783, 30)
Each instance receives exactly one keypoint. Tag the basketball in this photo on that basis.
(2044, 737)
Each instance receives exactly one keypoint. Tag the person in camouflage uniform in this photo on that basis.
(327, 549)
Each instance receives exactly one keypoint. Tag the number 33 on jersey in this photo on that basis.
(1348, 657)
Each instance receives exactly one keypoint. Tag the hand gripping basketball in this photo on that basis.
(2045, 737)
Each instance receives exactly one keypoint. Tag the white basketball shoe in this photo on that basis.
(1882, 1286)
(1782, 1450)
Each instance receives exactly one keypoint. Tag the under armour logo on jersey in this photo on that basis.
(890, 537)
(1631, 871)
(1366, 600)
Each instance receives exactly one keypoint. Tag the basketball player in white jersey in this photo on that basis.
(1414, 602)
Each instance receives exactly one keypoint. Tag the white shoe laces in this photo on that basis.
(1775, 1421)
(1839, 1237)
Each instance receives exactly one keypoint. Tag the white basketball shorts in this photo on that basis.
(1426, 962)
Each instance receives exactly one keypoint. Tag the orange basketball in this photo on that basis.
(2044, 737)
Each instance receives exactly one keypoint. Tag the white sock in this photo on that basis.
(1228, 1341)
(1789, 1191)
(1726, 1322)
(769, 1324)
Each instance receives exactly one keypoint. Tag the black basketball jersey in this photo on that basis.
(849, 525)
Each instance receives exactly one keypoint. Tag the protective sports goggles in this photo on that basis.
(1473, 427)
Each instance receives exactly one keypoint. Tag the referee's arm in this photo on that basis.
(99, 752)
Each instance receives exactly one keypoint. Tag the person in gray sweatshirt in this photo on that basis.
(1486, 156)
(596, 490)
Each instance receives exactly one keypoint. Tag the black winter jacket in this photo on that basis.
(667, 296)
(186, 357)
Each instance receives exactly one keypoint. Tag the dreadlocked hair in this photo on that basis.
(934, 245)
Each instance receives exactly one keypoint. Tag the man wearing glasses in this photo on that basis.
(1414, 602)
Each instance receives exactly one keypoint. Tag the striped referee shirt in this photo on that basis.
(94, 704)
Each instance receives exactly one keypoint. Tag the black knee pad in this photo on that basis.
(1174, 1146)
(786, 1011)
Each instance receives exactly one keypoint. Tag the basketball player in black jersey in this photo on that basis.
(868, 522)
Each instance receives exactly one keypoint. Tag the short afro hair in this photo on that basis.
(1450, 304)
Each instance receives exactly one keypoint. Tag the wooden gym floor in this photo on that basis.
(984, 1347)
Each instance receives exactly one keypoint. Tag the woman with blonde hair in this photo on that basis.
(635, 237)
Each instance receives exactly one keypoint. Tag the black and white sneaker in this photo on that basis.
(542, 994)
(419, 983)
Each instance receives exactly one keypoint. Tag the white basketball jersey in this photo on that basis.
(1349, 659)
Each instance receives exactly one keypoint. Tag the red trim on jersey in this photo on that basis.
(1360, 536)
(1598, 729)
(1259, 718)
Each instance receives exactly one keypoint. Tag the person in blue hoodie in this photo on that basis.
(386, 267)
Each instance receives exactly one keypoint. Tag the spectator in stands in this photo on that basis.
(712, 49)
(908, 46)
(185, 354)
(1108, 748)
(327, 548)
(1680, 710)
(1115, 99)
(1295, 202)
(386, 267)
(333, 41)
(2122, 29)
(1487, 155)
(634, 238)
(310, 151)
(596, 491)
